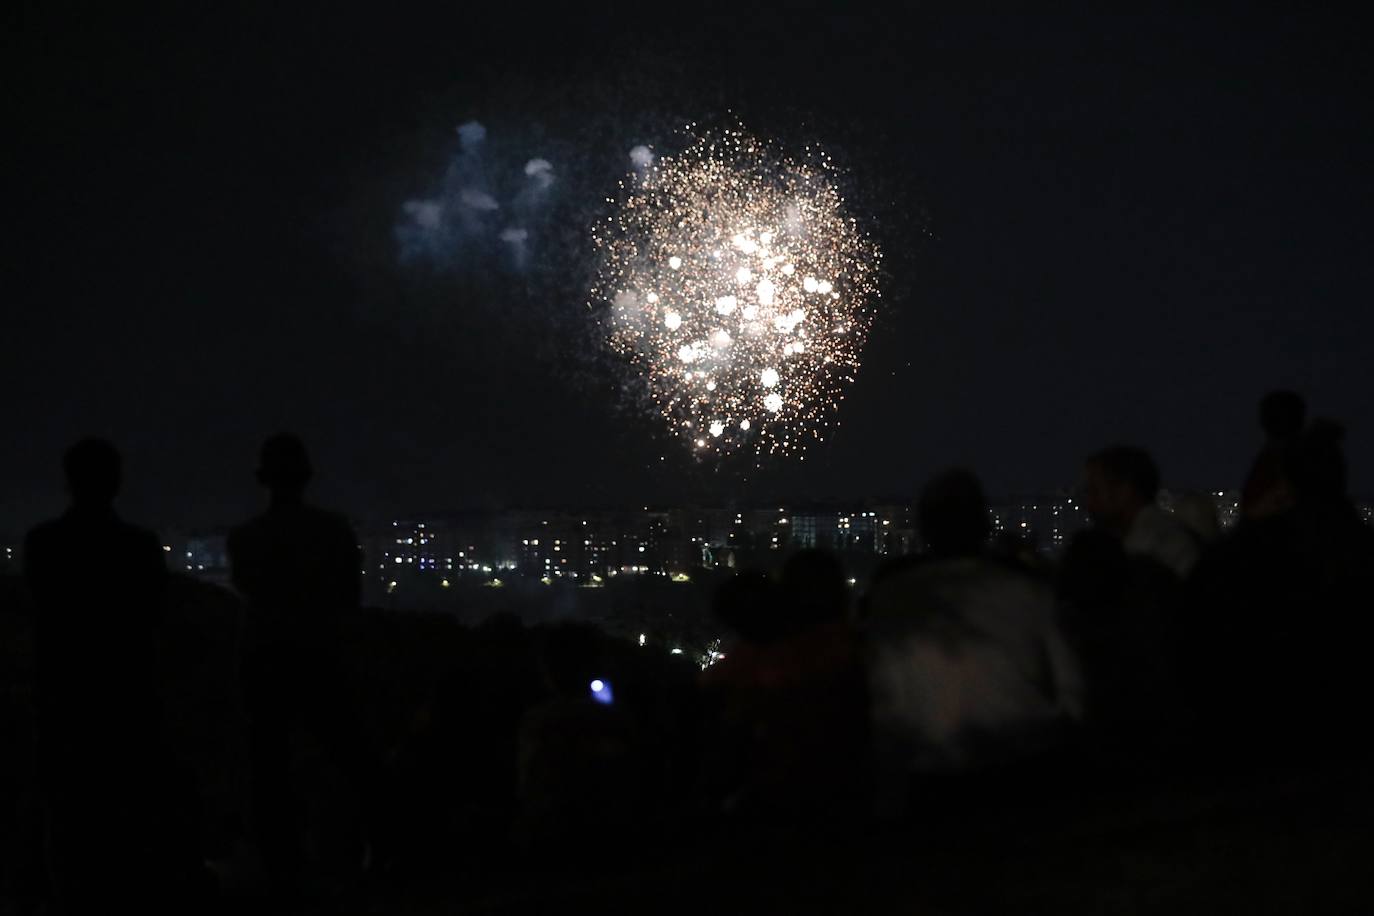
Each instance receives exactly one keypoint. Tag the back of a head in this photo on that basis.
(283, 465)
(1282, 414)
(953, 514)
(94, 469)
(813, 587)
(1130, 465)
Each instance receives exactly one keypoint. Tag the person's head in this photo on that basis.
(284, 467)
(953, 514)
(94, 470)
(1281, 414)
(813, 587)
(1117, 483)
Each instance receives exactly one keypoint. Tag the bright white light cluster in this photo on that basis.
(737, 287)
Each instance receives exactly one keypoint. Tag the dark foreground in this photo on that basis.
(1293, 841)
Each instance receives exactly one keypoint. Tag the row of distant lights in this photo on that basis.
(713, 653)
(593, 580)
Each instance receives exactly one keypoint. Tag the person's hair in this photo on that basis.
(93, 469)
(1130, 465)
(1281, 414)
(953, 513)
(283, 464)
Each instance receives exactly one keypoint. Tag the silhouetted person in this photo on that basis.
(298, 568)
(1280, 612)
(1267, 489)
(952, 515)
(452, 785)
(1120, 493)
(791, 710)
(579, 764)
(97, 584)
(1119, 613)
(967, 665)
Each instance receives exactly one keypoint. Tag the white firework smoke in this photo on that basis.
(736, 286)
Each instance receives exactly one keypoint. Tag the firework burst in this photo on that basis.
(738, 291)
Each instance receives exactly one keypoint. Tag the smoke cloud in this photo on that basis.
(474, 199)
(641, 157)
(484, 214)
(502, 203)
(540, 172)
(471, 133)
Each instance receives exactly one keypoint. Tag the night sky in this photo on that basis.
(1097, 228)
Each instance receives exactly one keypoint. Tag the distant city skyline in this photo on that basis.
(589, 545)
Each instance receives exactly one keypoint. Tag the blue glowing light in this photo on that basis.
(601, 691)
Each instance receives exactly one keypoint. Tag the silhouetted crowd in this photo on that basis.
(283, 743)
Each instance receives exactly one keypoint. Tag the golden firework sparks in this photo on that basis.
(737, 287)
